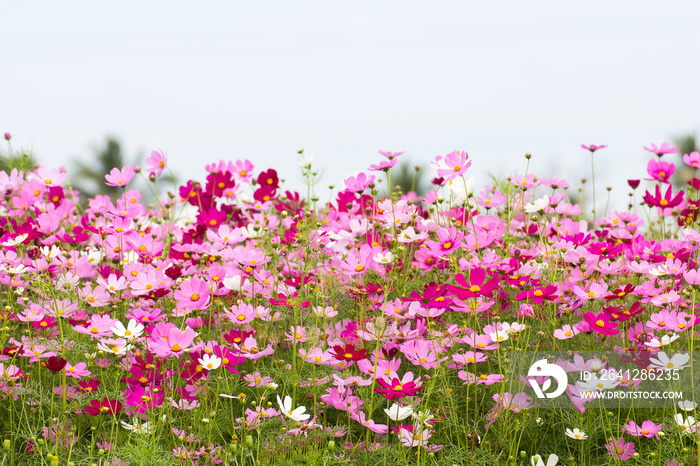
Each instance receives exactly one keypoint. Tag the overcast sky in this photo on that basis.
(259, 80)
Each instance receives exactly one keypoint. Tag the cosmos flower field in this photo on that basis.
(236, 322)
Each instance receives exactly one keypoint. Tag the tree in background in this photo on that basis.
(407, 177)
(89, 177)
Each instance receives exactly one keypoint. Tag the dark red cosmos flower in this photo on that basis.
(620, 293)
(54, 364)
(633, 183)
(694, 183)
(218, 182)
(106, 406)
(539, 294)
(601, 323)
(476, 286)
(396, 389)
(689, 214)
(622, 314)
(269, 178)
(349, 353)
(88, 386)
(173, 272)
(664, 202)
(12, 350)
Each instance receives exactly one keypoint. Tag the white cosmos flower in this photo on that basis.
(665, 341)
(16, 240)
(538, 205)
(499, 336)
(298, 414)
(396, 412)
(596, 384)
(383, 258)
(132, 331)
(687, 425)
(687, 405)
(210, 362)
(662, 361)
(306, 161)
(576, 434)
(138, 426)
(461, 187)
(537, 460)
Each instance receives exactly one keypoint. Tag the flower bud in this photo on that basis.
(331, 445)
(249, 441)
(6, 444)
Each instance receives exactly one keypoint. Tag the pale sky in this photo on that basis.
(218, 80)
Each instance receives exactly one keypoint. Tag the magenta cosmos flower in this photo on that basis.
(665, 202)
(592, 147)
(120, 178)
(601, 323)
(398, 388)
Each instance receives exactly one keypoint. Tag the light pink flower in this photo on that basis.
(120, 178)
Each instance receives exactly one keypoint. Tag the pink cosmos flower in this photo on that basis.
(596, 291)
(48, 177)
(647, 429)
(470, 357)
(359, 183)
(619, 449)
(665, 148)
(156, 163)
(193, 294)
(384, 165)
(243, 169)
(167, 340)
(361, 417)
(660, 171)
(390, 155)
(120, 178)
(565, 333)
(525, 183)
(77, 371)
(692, 159)
(453, 165)
(482, 379)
